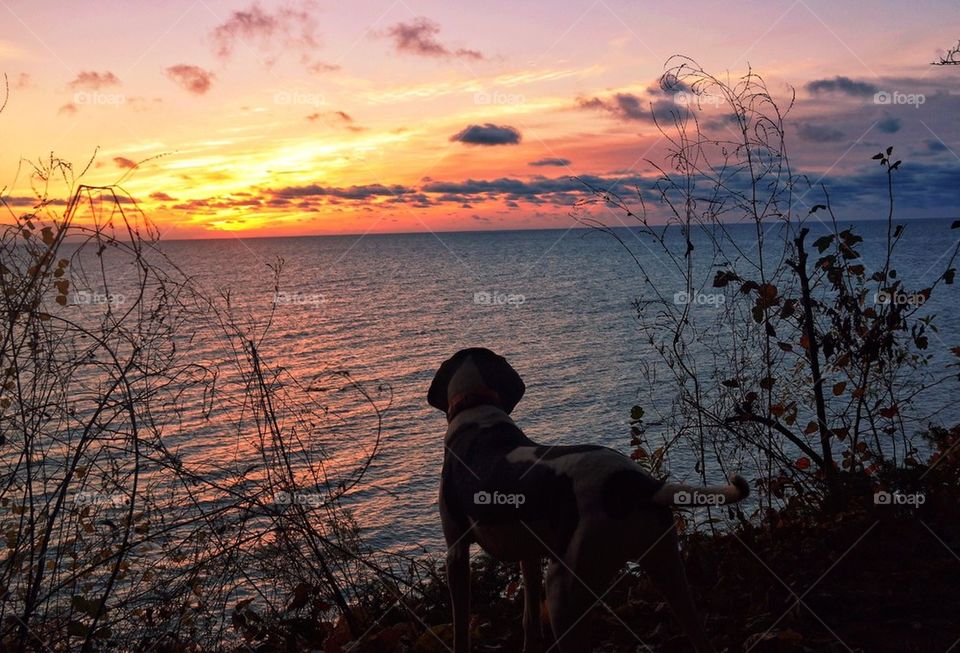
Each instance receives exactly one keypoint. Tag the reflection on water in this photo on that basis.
(390, 309)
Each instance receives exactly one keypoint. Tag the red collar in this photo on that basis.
(472, 399)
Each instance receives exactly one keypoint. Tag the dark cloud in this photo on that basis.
(819, 133)
(544, 189)
(350, 192)
(89, 80)
(889, 125)
(286, 28)
(162, 197)
(419, 37)
(843, 85)
(935, 146)
(124, 163)
(549, 161)
(487, 134)
(192, 78)
(30, 201)
(630, 107)
(920, 187)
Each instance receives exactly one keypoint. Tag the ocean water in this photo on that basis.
(558, 304)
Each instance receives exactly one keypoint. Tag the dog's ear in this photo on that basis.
(437, 394)
(501, 376)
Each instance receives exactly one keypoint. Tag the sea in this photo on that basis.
(561, 305)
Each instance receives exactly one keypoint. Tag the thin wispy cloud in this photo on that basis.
(419, 37)
(90, 80)
(270, 33)
(549, 161)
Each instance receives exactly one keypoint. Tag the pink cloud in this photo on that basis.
(89, 80)
(192, 78)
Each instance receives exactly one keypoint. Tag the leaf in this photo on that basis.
(949, 275)
(878, 156)
(802, 463)
(898, 231)
(889, 412)
(889, 150)
(767, 382)
(817, 207)
(789, 305)
(735, 383)
(955, 225)
(812, 427)
(299, 597)
(85, 605)
(823, 242)
(896, 165)
(785, 346)
(838, 388)
(767, 292)
(76, 629)
(636, 413)
(724, 277)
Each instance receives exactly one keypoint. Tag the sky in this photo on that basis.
(301, 117)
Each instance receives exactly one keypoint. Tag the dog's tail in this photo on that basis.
(680, 494)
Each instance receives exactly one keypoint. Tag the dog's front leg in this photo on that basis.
(532, 579)
(458, 578)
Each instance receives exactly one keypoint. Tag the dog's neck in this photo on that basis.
(479, 396)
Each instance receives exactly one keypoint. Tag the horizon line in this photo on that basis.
(494, 231)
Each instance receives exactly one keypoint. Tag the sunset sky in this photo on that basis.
(302, 117)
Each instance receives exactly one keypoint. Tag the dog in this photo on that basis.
(586, 509)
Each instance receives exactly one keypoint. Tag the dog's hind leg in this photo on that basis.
(532, 579)
(567, 604)
(458, 578)
(662, 562)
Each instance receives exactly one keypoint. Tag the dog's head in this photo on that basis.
(472, 370)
